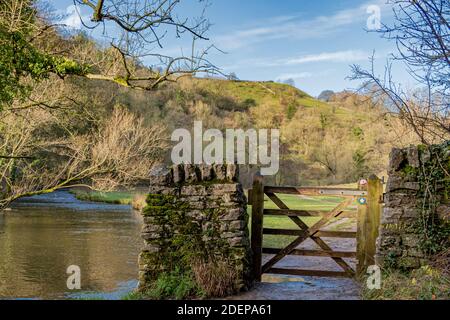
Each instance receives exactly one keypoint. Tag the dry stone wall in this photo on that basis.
(402, 236)
(196, 213)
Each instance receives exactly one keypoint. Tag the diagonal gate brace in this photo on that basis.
(309, 232)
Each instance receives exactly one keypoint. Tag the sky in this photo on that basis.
(312, 42)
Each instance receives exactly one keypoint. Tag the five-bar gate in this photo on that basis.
(368, 217)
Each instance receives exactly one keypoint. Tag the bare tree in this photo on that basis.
(145, 25)
(53, 134)
(120, 151)
(135, 58)
(421, 31)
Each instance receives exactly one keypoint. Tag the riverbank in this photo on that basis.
(133, 198)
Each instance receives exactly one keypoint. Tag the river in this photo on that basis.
(43, 235)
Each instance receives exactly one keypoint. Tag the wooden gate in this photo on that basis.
(368, 219)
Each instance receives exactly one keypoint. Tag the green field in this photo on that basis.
(319, 203)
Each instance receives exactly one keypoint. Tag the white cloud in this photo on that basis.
(294, 27)
(72, 18)
(338, 56)
(346, 56)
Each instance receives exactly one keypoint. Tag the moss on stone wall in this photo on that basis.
(433, 227)
(417, 200)
(195, 229)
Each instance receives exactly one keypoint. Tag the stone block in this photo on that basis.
(411, 212)
(412, 155)
(396, 159)
(443, 211)
(160, 176)
(232, 174)
(151, 228)
(178, 173)
(395, 182)
(237, 225)
(232, 214)
(234, 234)
(191, 173)
(195, 214)
(410, 240)
(237, 242)
(390, 241)
(151, 248)
(225, 188)
(393, 199)
(148, 236)
(391, 214)
(220, 172)
(206, 172)
(412, 186)
(198, 205)
(194, 190)
(415, 253)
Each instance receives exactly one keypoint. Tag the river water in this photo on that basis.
(43, 235)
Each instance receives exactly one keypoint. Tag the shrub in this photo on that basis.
(138, 203)
(215, 278)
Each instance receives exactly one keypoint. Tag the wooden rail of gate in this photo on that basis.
(368, 219)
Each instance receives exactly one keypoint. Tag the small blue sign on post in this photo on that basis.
(362, 200)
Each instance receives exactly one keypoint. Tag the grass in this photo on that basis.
(134, 295)
(261, 92)
(426, 283)
(115, 197)
(319, 203)
(169, 285)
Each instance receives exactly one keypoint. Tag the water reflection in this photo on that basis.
(44, 235)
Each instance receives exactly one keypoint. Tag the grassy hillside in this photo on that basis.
(322, 143)
(258, 91)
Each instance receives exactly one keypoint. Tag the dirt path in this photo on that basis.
(309, 288)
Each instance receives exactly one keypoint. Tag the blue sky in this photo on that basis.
(313, 42)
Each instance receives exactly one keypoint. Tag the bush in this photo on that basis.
(138, 203)
(215, 278)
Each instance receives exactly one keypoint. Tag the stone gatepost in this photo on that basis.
(401, 240)
(196, 219)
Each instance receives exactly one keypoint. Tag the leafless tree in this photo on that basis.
(144, 26)
(56, 134)
(120, 151)
(421, 31)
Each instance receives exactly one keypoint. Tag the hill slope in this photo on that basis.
(321, 142)
(259, 91)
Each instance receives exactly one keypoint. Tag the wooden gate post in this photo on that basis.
(361, 239)
(369, 216)
(257, 224)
